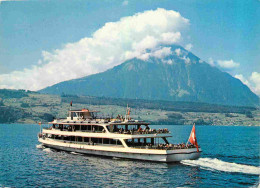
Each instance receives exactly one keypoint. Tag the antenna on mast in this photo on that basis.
(127, 115)
(126, 111)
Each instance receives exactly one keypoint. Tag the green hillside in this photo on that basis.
(20, 106)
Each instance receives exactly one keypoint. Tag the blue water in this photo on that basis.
(230, 158)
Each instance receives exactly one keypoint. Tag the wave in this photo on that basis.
(216, 164)
(47, 150)
(40, 146)
(75, 153)
(116, 158)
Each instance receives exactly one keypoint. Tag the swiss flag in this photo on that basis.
(193, 139)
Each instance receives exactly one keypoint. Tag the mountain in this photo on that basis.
(176, 76)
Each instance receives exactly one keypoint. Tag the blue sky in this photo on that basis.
(223, 32)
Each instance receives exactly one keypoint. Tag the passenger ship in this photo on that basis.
(83, 132)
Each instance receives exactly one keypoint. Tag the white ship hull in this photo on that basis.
(157, 155)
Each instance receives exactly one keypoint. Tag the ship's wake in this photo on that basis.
(40, 146)
(48, 150)
(216, 164)
(75, 153)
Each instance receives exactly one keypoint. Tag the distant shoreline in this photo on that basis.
(36, 124)
(26, 107)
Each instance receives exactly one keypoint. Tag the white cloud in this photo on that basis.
(39, 62)
(125, 3)
(170, 37)
(178, 51)
(147, 43)
(186, 59)
(228, 64)
(109, 46)
(255, 79)
(253, 82)
(157, 53)
(211, 62)
(188, 47)
(169, 61)
(161, 53)
(242, 79)
(144, 56)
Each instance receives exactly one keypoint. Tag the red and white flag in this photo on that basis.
(193, 139)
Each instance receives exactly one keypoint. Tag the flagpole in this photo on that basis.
(40, 123)
(187, 141)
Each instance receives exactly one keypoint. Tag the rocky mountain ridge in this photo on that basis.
(170, 73)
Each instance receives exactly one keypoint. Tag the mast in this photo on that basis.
(127, 114)
(126, 111)
(40, 123)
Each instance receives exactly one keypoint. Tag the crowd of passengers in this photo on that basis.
(170, 146)
(147, 130)
(73, 128)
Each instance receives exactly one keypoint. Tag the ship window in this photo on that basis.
(106, 141)
(97, 128)
(88, 140)
(139, 142)
(116, 142)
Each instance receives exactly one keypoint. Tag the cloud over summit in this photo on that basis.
(228, 64)
(253, 82)
(109, 46)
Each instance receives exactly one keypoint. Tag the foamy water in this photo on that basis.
(216, 164)
(39, 146)
(48, 150)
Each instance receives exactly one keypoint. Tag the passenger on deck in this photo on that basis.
(140, 129)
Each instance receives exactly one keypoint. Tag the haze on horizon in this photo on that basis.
(44, 43)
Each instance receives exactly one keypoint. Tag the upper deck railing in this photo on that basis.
(120, 131)
(110, 121)
(147, 131)
(163, 146)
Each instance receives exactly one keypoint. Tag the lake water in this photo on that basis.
(230, 158)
